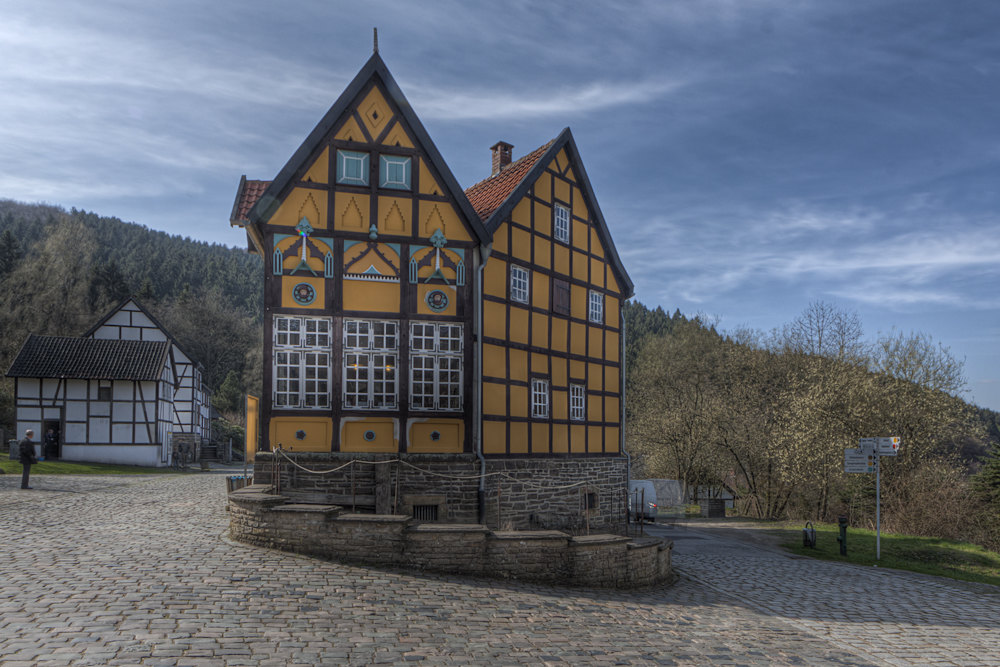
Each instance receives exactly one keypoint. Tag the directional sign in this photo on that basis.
(868, 445)
(889, 446)
(858, 461)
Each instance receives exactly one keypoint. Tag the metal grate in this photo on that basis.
(425, 512)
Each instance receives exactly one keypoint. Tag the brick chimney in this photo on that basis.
(501, 156)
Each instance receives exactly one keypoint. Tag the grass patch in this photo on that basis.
(927, 555)
(81, 468)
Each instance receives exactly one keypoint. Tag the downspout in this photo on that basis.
(477, 403)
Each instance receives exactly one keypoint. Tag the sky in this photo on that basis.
(750, 156)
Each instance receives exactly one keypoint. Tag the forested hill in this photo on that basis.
(61, 271)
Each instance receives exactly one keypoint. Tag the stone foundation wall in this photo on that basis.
(262, 518)
(520, 493)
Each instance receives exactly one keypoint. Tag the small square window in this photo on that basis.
(518, 284)
(352, 168)
(104, 390)
(596, 311)
(560, 223)
(539, 399)
(394, 172)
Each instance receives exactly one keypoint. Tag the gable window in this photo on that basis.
(539, 398)
(104, 390)
(577, 401)
(560, 223)
(435, 366)
(301, 365)
(394, 172)
(370, 351)
(595, 313)
(352, 168)
(518, 284)
(560, 296)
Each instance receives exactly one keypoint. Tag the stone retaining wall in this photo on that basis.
(520, 493)
(262, 518)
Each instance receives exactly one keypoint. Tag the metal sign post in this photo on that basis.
(867, 458)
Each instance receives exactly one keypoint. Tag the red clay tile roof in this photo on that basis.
(486, 196)
(247, 197)
(89, 358)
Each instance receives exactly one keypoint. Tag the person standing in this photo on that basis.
(27, 455)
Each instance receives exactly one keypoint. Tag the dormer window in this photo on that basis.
(394, 172)
(560, 223)
(352, 168)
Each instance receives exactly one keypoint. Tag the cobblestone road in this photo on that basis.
(136, 571)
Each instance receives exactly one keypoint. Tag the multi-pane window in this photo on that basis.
(577, 401)
(370, 351)
(301, 377)
(518, 284)
(435, 366)
(394, 172)
(560, 223)
(595, 313)
(539, 398)
(352, 168)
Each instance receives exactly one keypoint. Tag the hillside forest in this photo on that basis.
(765, 416)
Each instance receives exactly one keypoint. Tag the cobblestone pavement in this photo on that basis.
(137, 571)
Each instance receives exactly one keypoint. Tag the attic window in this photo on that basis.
(104, 390)
(560, 223)
(352, 168)
(394, 172)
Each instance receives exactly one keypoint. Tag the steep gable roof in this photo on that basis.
(269, 200)
(89, 358)
(135, 302)
(246, 196)
(496, 197)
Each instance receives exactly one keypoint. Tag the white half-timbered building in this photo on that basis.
(123, 393)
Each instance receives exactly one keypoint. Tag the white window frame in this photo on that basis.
(436, 373)
(300, 364)
(343, 158)
(520, 284)
(539, 398)
(370, 364)
(577, 402)
(560, 223)
(595, 308)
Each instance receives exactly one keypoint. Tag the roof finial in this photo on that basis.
(375, 31)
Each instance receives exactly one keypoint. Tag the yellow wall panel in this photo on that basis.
(428, 184)
(539, 438)
(494, 320)
(518, 401)
(351, 131)
(580, 266)
(595, 377)
(543, 254)
(365, 295)
(543, 219)
(519, 324)
(302, 203)
(500, 240)
(288, 284)
(353, 435)
(539, 330)
(539, 364)
(595, 243)
(522, 213)
(494, 361)
(579, 207)
(562, 190)
(450, 436)
(577, 370)
(578, 302)
(495, 280)
(518, 368)
(318, 433)
(577, 438)
(494, 399)
(611, 411)
(543, 187)
(519, 438)
(450, 291)
(597, 272)
(374, 112)
(570, 175)
(559, 341)
(613, 282)
(578, 338)
(561, 161)
(595, 343)
(612, 443)
(561, 259)
(494, 437)
(560, 438)
(611, 316)
(595, 408)
(611, 346)
(595, 434)
(352, 212)
(394, 216)
(319, 172)
(611, 378)
(560, 377)
(520, 244)
(580, 235)
(540, 290)
(560, 404)
(439, 215)
(397, 137)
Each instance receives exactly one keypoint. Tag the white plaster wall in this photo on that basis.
(140, 455)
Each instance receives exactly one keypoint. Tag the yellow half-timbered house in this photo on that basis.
(471, 339)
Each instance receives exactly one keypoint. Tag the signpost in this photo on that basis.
(866, 459)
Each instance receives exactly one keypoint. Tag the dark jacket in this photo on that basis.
(27, 451)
